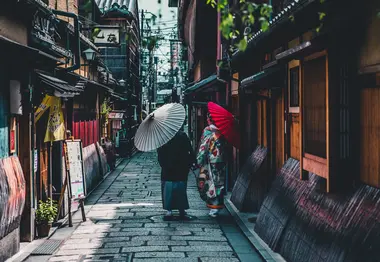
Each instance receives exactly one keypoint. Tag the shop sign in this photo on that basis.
(35, 166)
(44, 33)
(74, 158)
(107, 36)
(12, 145)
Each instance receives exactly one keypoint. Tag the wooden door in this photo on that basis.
(293, 108)
(43, 159)
(44, 171)
(262, 123)
(369, 136)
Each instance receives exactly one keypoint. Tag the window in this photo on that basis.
(314, 107)
(235, 105)
(294, 87)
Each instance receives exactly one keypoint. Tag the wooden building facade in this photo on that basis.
(308, 97)
(305, 92)
(123, 61)
(199, 32)
(43, 53)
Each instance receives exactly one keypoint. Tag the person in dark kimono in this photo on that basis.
(110, 153)
(175, 158)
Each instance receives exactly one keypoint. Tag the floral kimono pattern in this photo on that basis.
(210, 159)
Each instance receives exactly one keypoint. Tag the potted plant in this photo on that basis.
(45, 215)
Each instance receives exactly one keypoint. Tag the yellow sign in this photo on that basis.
(45, 104)
(56, 126)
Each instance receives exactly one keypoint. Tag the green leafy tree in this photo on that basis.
(247, 15)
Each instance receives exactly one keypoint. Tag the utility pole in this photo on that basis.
(142, 24)
(155, 78)
(147, 68)
(142, 57)
(150, 79)
(171, 81)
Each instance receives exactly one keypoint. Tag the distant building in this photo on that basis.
(163, 95)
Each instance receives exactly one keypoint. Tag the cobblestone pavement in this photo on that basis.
(124, 223)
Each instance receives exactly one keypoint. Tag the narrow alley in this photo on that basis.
(125, 223)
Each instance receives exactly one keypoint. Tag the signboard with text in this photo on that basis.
(74, 158)
(107, 36)
(44, 34)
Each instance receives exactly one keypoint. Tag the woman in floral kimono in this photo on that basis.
(212, 165)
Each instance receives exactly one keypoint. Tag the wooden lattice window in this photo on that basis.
(314, 107)
(294, 86)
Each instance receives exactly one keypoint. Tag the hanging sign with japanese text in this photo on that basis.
(107, 36)
(44, 34)
(56, 125)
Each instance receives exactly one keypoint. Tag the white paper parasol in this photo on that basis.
(159, 127)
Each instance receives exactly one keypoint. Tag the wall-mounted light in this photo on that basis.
(122, 82)
(90, 54)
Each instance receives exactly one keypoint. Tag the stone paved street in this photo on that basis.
(124, 223)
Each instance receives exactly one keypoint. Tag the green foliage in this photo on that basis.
(151, 42)
(46, 211)
(105, 109)
(242, 45)
(95, 32)
(249, 14)
(87, 7)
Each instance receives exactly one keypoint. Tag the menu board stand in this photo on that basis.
(74, 180)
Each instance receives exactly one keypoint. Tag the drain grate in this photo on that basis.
(47, 248)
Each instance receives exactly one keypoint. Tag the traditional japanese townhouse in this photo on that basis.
(209, 80)
(75, 80)
(18, 63)
(60, 81)
(200, 34)
(118, 38)
(309, 99)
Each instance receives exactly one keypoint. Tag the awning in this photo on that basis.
(203, 84)
(29, 54)
(302, 50)
(116, 115)
(106, 88)
(118, 96)
(15, 46)
(293, 52)
(60, 87)
(259, 76)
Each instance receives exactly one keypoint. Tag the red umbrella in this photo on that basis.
(225, 122)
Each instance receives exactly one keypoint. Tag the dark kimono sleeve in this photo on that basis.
(162, 157)
(189, 148)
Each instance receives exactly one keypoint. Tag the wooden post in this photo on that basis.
(61, 198)
(81, 203)
(67, 182)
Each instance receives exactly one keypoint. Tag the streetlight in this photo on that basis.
(90, 54)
